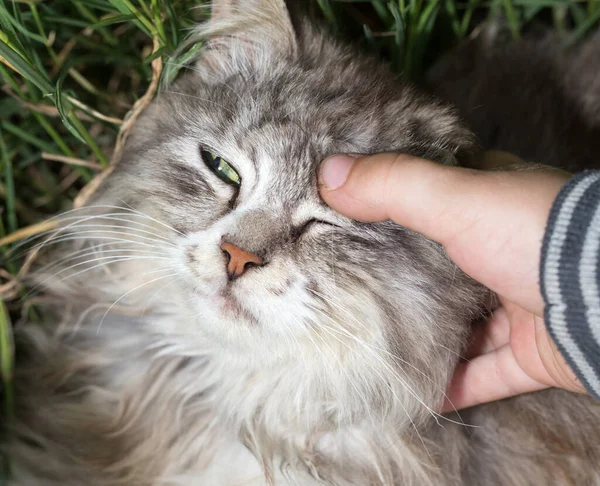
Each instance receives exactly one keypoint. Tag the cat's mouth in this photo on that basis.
(230, 306)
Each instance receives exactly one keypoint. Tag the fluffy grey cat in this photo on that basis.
(217, 325)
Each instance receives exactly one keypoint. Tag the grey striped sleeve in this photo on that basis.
(570, 276)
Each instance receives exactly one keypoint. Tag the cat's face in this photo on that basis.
(268, 272)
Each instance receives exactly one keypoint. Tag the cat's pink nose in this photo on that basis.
(238, 260)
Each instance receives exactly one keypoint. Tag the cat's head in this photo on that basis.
(369, 317)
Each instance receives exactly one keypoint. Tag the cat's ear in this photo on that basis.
(244, 34)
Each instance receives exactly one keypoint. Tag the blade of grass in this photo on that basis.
(27, 137)
(24, 68)
(6, 360)
(327, 10)
(53, 134)
(9, 185)
(585, 26)
(91, 18)
(513, 19)
(125, 7)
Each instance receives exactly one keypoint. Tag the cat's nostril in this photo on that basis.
(227, 256)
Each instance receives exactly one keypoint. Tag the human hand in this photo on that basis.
(491, 225)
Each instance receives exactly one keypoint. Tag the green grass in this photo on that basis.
(72, 70)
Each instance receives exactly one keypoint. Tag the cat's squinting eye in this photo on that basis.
(222, 169)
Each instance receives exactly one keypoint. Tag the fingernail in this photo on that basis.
(335, 170)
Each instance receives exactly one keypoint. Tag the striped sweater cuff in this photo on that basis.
(570, 276)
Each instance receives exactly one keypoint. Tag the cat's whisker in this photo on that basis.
(360, 394)
(339, 307)
(147, 306)
(320, 353)
(125, 218)
(108, 261)
(129, 292)
(159, 269)
(93, 248)
(395, 374)
(287, 338)
(340, 329)
(101, 231)
(68, 216)
(205, 100)
(114, 240)
(452, 351)
(298, 346)
(356, 338)
(141, 213)
(50, 221)
(87, 252)
(300, 408)
(126, 230)
(112, 246)
(402, 382)
(59, 237)
(220, 82)
(387, 352)
(333, 303)
(145, 249)
(122, 212)
(367, 406)
(333, 259)
(373, 352)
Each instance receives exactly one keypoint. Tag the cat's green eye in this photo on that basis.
(221, 168)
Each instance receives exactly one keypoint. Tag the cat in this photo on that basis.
(210, 321)
(536, 97)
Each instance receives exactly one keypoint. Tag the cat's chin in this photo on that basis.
(231, 308)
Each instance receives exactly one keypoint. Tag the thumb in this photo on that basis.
(491, 223)
(413, 192)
